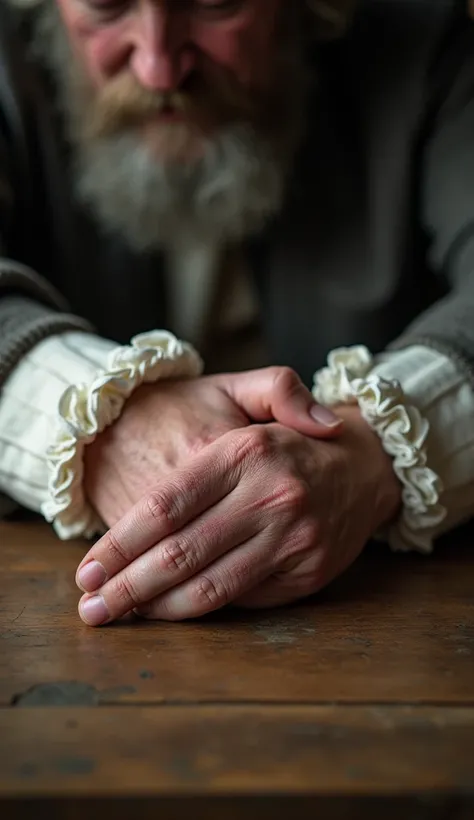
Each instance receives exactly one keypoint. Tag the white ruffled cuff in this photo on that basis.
(403, 433)
(85, 410)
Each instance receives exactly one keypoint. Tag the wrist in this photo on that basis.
(85, 410)
(403, 431)
(373, 465)
(115, 446)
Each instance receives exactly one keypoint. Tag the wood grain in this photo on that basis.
(243, 751)
(355, 705)
(394, 629)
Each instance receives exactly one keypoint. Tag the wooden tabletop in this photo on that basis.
(357, 703)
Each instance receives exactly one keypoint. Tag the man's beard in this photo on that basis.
(217, 175)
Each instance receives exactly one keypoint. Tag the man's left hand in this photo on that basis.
(305, 511)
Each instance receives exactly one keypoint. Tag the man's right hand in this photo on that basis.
(165, 424)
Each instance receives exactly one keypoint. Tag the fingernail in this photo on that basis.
(94, 611)
(91, 576)
(324, 416)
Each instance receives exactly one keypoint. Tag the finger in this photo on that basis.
(167, 508)
(278, 394)
(224, 581)
(307, 577)
(171, 562)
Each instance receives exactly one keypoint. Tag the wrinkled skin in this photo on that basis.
(252, 514)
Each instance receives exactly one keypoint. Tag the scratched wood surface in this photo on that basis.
(361, 699)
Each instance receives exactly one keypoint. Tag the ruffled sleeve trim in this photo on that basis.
(85, 410)
(403, 433)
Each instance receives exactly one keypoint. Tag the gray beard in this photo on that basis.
(230, 193)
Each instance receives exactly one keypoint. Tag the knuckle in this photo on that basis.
(158, 506)
(125, 592)
(209, 595)
(185, 490)
(252, 443)
(116, 552)
(285, 380)
(177, 557)
(164, 505)
(303, 540)
(306, 558)
(292, 497)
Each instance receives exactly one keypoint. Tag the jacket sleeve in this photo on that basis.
(446, 202)
(30, 307)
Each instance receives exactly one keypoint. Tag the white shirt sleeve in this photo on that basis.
(441, 393)
(29, 399)
(28, 409)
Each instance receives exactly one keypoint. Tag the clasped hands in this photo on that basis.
(231, 489)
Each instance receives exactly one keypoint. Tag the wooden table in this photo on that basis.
(358, 703)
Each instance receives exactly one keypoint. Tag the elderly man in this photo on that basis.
(225, 171)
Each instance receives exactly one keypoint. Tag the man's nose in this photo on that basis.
(161, 58)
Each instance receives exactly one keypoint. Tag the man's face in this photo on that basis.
(168, 66)
(185, 114)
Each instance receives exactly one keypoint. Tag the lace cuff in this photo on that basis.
(85, 410)
(403, 433)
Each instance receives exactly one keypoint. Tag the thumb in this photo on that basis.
(278, 394)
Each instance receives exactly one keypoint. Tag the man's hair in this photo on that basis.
(328, 18)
